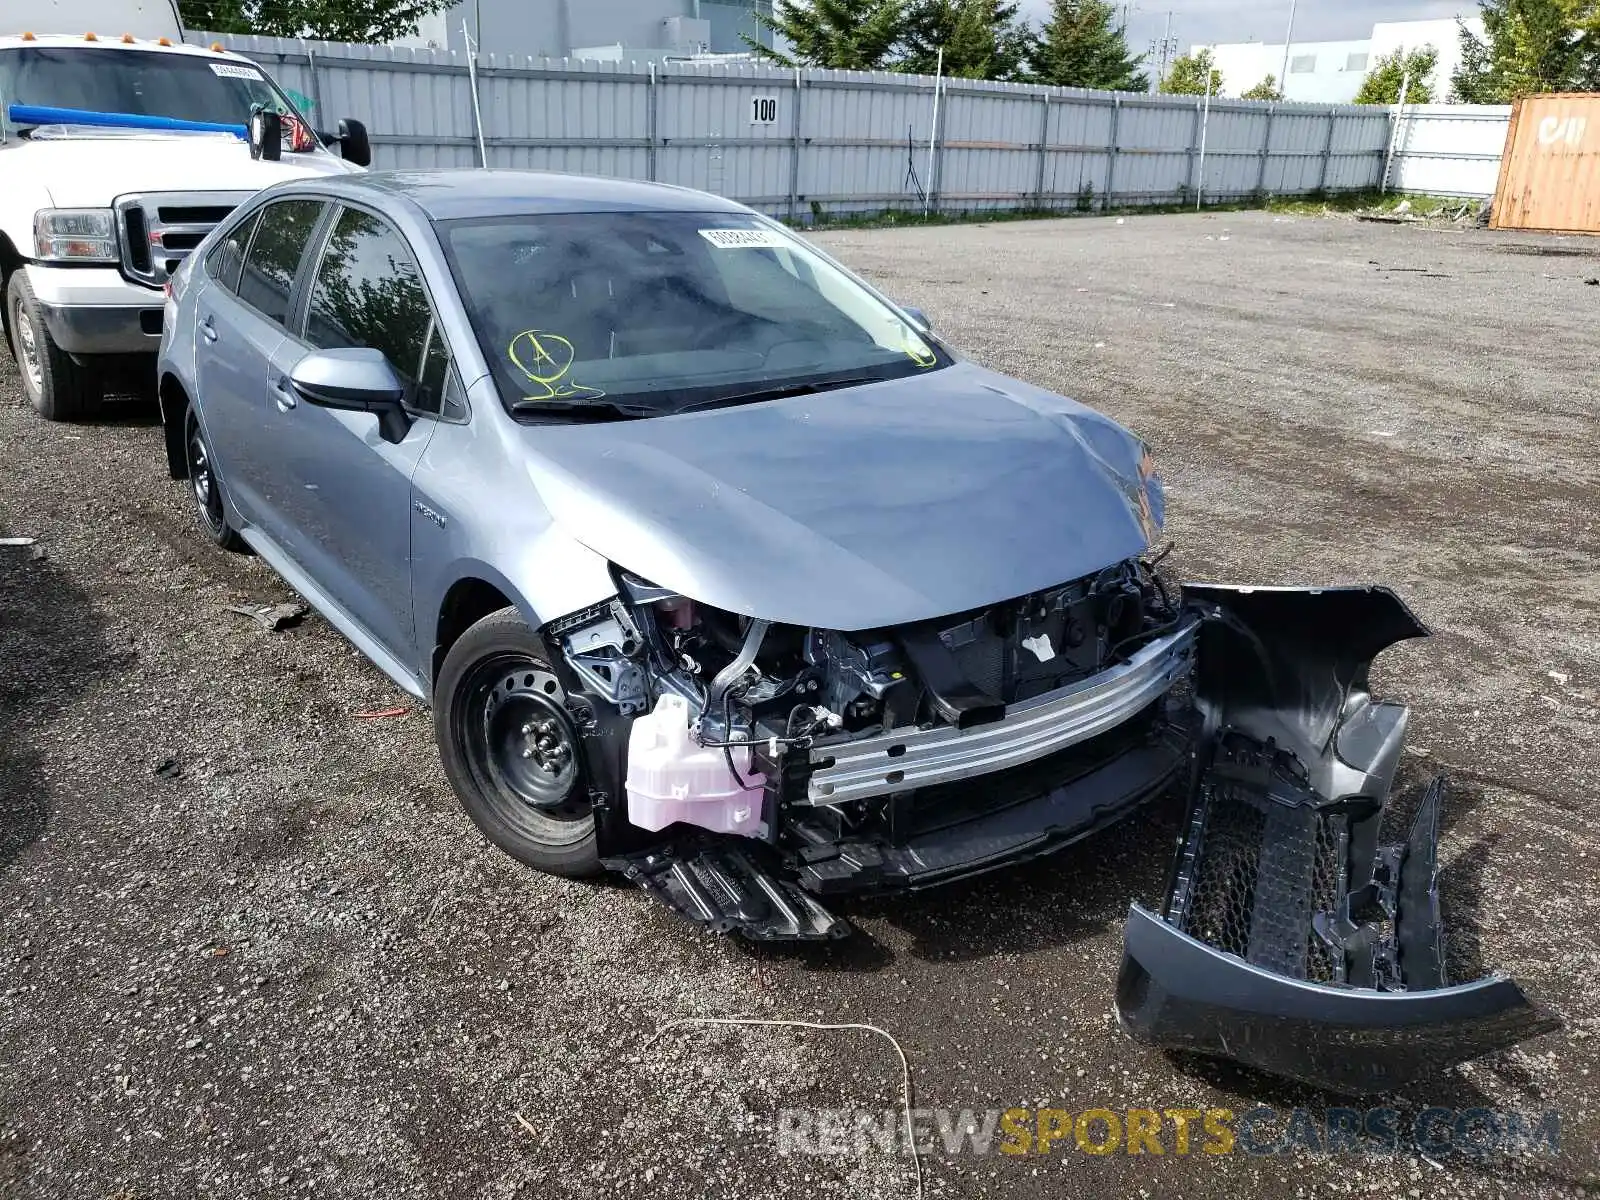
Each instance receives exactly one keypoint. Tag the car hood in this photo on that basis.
(85, 172)
(858, 508)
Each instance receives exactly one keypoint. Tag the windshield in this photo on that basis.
(655, 312)
(143, 83)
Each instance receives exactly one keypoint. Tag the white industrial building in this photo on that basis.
(618, 30)
(1331, 72)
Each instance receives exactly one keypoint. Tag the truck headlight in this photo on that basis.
(75, 235)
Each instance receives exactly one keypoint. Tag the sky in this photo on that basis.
(1196, 21)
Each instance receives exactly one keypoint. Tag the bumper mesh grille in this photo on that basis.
(1266, 869)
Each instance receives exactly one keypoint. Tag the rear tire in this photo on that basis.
(511, 749)
(205, 488)
(59, 388)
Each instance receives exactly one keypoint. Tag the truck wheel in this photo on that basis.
(57, 387)
(206, 488)
(511, 750)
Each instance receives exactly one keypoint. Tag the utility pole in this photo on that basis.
(1161, 53)
(1288, 45)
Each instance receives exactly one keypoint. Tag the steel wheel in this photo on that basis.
(28, 351)
(523, 749)
(59, 387)
(206, 488)
(207, 497)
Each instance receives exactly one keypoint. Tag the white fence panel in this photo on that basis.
(808, 143)
(1449, 149)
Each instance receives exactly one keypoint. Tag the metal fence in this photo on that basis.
(805, 144)
(1449, 149)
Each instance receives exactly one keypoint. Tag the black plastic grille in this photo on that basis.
(193, 214)
(1266, 870)
(983, 661)
(138, 240)
(1225, 884)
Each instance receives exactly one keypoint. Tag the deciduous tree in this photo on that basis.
(1188, 74)
(1529, 46)
(328, 20)
(1267, 89)
(1412, 69)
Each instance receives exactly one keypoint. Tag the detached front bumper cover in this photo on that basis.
(1291, 939)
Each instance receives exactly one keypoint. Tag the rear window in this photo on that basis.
(226, 259)
(282, 235)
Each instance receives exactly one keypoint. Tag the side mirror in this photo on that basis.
(354, 379)
(266, 135)
(918, 317)
(354, 145)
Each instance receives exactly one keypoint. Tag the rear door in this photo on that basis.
(347, 494)
(242, 312)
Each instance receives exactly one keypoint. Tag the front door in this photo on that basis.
(347, 491)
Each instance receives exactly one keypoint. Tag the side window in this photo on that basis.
(368, 292)
(429, 395)
(280, 242)
(227, 257)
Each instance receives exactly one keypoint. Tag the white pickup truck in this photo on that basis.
(118, 152)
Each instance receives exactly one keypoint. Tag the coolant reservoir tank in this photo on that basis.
(672, 778)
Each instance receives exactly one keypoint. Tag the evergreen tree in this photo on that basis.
(849, 35)
(981, 39)
(1079, 46)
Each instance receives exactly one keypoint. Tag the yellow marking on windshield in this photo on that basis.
(545, 358)
(917, 350)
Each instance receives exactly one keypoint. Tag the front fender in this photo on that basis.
(555, 576)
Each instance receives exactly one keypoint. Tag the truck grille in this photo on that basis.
(157, 230)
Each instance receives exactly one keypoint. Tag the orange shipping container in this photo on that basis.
(1550, 172)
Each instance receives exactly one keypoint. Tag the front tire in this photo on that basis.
(59, 388)
(511, 749)
(205, 489)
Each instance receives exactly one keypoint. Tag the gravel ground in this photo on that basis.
(294, 968)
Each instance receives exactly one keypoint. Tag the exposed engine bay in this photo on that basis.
(803, 737)
(744, 770)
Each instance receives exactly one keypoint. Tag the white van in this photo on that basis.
(120, 148)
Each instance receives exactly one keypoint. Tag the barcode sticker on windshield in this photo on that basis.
(236, 71)
(745, 239)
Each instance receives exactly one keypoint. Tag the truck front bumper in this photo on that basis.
(93, 310)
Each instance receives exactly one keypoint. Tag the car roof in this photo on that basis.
(446, 195)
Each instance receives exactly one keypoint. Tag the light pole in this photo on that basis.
(1288, 45)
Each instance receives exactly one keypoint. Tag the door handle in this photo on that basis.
(283, 393)
(207, 329)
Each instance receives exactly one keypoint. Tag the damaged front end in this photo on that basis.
(745, 770)
(779, 762)
(1293, 939)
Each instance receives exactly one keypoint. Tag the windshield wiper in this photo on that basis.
(776, 393)
(594, 409)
